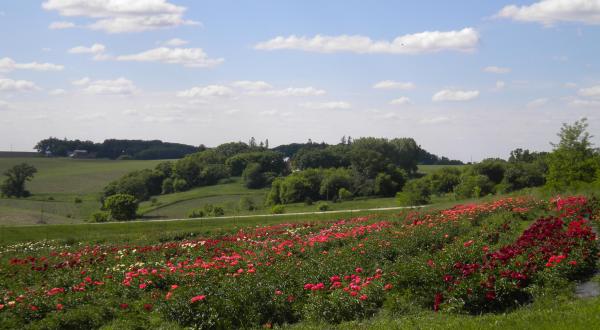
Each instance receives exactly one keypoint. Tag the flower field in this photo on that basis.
(476, 258)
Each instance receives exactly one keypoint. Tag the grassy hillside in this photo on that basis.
(74, 176)
(59, 181)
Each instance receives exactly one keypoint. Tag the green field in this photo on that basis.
(59, 181)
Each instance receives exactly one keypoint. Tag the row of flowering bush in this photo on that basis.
(473, 258)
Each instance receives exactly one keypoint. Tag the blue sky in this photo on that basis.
(466, 79)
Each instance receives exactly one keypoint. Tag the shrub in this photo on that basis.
(78, 200)
(121, 206)
(253, 176)
(384, 185)
(278, 209)
(99, 217)
(322, 206)
(179, 185)
(247, 204)
(416, 192)
(197, 213)
(344, 194)
(167, 186)
(474, 186)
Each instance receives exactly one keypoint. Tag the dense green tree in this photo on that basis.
(573, 160)
(14, 183)
(474, 185)
(415, 192)
(444, 180)
(333, 181)
(493, 168)
(253, 176)
(121, 206)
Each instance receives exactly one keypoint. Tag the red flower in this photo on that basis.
(59, 307)
(468, 243)
(358, 270)
(278, 292)
(197, 298)
(437, 301)
(148, 307)
(143, 286)
(490, 295)
(388, 287)
(123, 306)
(174, 286)
(363, 297)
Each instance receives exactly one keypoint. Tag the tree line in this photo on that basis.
(116, 149)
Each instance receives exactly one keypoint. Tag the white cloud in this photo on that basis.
(91, 116)
(538, 103)
(118, 16)
(119, 86)
(434, 120)
(593, 91)
(292, 91)
(232, 111)
(56, 92)
(9, 85)
(7, 64)
(455, 95)
(500, 85)
(417, 43)
(268, 113)
(390, 84)
(207, 91)
(570, 85)
(327, 105)
(96, 49)
(131, 112)
(252, 85)
(61, 25)
(402, 100)
(81, 82)
(4, 105)
(584, 103)
(496, 69)
(176, 42)
(189, 57)
(93, 49)
(549, 12)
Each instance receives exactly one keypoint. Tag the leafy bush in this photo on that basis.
(474, 186)
(78, 200)
(253, 176)
(344, 194)
(278, 209)
(322, 206)
(121, 206)
(247, 204)
(209, 210)
(99, 217)
(416, 192)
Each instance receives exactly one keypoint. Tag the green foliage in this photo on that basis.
(247, 204)
(142, 184)
(99, 216)
(167, 186)
(370, 156)
(278, 209)
(493, 168)
(14, 183)
(334, 180)
(444, 180)
(270, 161)
(322, 206)
(253, 176)
(180, 184)
(521, 175)
(121, 206)
(318, 157)
(77, 200)
(208, 210)
(474, 186)
(344, 194)
(416, 192)
(573, 160)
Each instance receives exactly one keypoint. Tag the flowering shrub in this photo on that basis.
(469, 258)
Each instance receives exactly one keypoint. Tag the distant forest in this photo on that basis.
(157, 149)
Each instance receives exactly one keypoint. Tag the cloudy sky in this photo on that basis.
(466, 79)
